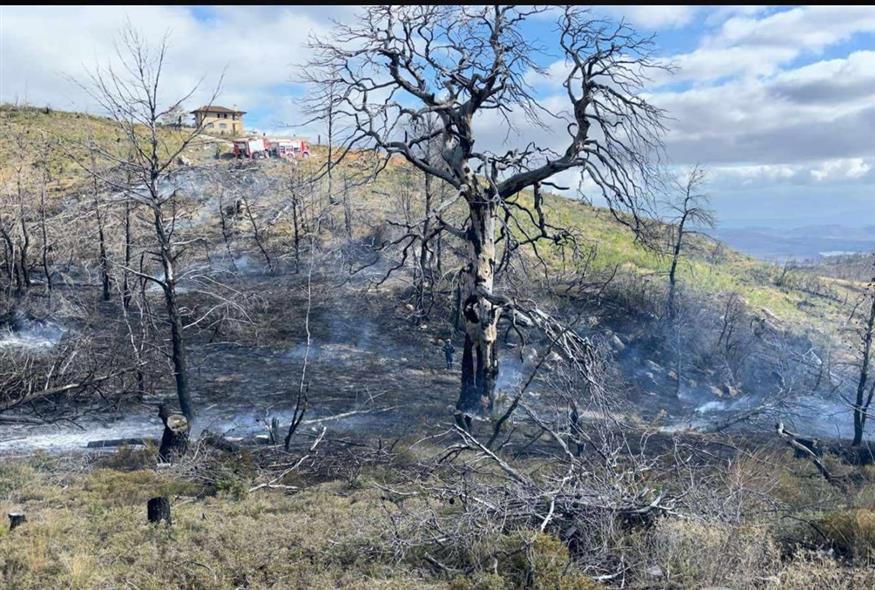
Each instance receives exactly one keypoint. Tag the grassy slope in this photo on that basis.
(56, 135)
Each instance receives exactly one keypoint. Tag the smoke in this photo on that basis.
(24, 332)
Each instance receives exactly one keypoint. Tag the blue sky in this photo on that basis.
(776, 102)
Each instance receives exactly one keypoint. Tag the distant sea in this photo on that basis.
(810, 242)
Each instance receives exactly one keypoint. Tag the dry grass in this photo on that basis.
(87, 529)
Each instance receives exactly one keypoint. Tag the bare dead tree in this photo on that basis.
(865, 382)
(257, 233)
(16, 216)
(44, 172)
(462, 64)
(131, 94)
(105, 280)
(690, 209)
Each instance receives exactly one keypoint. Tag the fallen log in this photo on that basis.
(809, 448)
(50, 391)
(118, 442)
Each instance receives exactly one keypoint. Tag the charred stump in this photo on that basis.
(174, 442)
(158, 509)
(16, 519)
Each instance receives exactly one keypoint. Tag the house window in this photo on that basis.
(209, 125)
(223, 125)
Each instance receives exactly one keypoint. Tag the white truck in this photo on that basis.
(253, 148)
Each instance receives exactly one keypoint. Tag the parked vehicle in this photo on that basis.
(290, 148)
(253, 148)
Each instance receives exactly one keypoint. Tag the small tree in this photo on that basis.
(691, 209)
(130, 93)
(865, 315)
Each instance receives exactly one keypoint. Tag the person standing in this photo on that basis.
(449, 350)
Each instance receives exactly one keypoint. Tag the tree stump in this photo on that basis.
(158, 509)
(16, 519)
(174, 442)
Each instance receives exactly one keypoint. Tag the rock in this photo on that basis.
(554, 357)
(729, 390)
(183, 161)
(672, 375)
(617, 344)
(655, 572)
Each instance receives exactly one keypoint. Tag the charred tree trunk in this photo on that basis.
(672, 274)
(45, 237)
(426, 274)
(8, 254)
(16, 519)
(174, 440)
(158, 509)
(479, 359)
(863, 401)
(105, 280)
(126, 287)
(297, 232)
(347, 209)
(23, 270)
(101, 238)
(226, 233)
(177, 344)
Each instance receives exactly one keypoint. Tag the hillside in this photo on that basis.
(658, 460)
(708, 265)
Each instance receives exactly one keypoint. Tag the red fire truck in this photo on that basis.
(290, 148)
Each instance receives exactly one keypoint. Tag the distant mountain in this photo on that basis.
(810, 242)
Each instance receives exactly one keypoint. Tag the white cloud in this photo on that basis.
(755, 45)
(753, 100)
(654, 17)
(256, 47)
(848, 168)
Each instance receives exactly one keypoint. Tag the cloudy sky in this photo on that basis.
(777, 102)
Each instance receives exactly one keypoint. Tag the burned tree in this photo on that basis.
(865, 384)
(468, 67)
(690, 209)
(130, 93)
